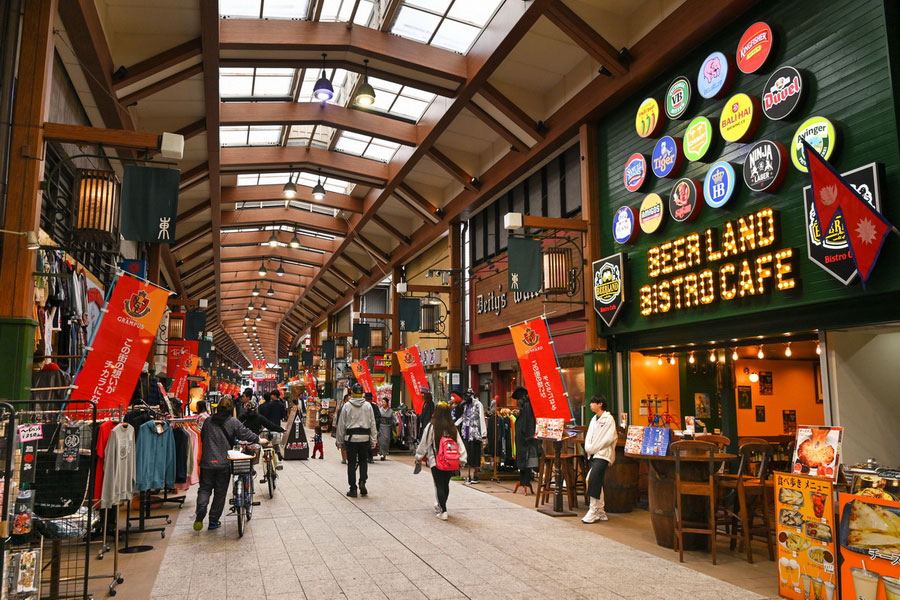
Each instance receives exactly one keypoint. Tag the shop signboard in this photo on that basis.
(805, 537)
(259, 370)
(739, 118)
(819, 133)
(635, 172)
(609, 287)
(363, 376)
(755, 47)
(765, 166)
(667, 157)
(648, 121)
(413, 371)
(783, 93)
(187, 366)
(697, 139)
(296, 446)
(714, 78)
(685, 200)
(678, 97)
(431, 357)
(121, 343)
(310, 383)
(832, 251)
(540, 369)
(719, 184)
(869, 547)
(624, 225)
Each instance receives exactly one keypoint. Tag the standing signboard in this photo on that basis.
(869, 546)
(296, 446)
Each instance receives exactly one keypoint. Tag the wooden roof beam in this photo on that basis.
(454, 170)
(355, 264)
(515, 143)
(323, 295)
(343, 277)
(149, 67)
(511, 111)
(254, 238)
(418, 203)
(334, 289)
(162, 84)
(193, 212)
(191, 237)
(344, 166)
(370, 248)
(263, 193)
(250, 269)
(291, 216)
(196, 254)
(267, 253)
(193, 173)
(585, 36)
(396, 233)
(239, 284)
(332, 115)
(169, 261)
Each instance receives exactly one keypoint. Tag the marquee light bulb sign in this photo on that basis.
(735, 260)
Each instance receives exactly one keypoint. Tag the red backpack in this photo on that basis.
(447, 456)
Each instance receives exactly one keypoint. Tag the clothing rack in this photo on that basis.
(496, 457)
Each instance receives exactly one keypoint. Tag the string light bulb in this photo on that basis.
(691, 358)
(672, 360)
(818, 349)
(659, 361)
(787, 350)
(712, 356)
(760, 355)
(734, 354)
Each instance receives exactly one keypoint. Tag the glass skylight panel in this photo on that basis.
(235, 82)
(249, 82)
(409, 107)
(233, 135)
(383, 84)
(450, 24)
(273, 82)
(455, 36)
(273, 178)
(246, 9)
(476, 12)
(264, 135)
(285, 9)
(415, 24)
(352, 143)
(381, 150)
(437, 6)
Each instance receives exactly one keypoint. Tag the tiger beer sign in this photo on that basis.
(609, 287)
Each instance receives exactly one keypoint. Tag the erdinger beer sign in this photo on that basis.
(832, 251)
(609, 287)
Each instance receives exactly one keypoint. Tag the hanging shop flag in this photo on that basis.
(187, 366)
(327, 350)
(138, 268)
(362, 335)
(259, 370)
(410, 362)
(194, 324)
(609, 287)
(121, 343)
(866, 228)
(525, 265)
(363, 376)
(540, 369)
(410, 313)
(149, 204)
(307, 358)
(310, 384)
(173, 353)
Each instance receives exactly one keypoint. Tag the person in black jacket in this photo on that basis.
(527, 446)
(273, 410)
(427, 410)
(255, 422)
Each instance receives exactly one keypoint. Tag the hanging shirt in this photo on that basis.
(102, 440)
(118, 466)
(155, 456)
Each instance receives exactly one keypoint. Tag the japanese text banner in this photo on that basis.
(310, 384)
(121, 343)
(187, 365)
(540, 370)
(410, 362)
(363, 376)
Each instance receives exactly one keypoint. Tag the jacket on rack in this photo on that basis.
(155, 456)
(118, 466)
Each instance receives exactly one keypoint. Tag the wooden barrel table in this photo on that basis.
(620, 487)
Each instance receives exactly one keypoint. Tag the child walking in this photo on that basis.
(317, 441)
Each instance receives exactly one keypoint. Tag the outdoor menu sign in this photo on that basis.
(634, 440)
(869, 546)
(817, 451)
(804, 532)
(549, 429)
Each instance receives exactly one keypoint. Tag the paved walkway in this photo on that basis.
(311, 541)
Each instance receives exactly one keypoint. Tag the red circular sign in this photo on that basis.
(754, 48)
(635, 172)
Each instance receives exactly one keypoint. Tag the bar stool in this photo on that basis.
(704, 485)
(749, 493)
(546, 486)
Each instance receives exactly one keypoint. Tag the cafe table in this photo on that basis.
(661, 495)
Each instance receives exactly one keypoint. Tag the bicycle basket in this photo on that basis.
(241, 466)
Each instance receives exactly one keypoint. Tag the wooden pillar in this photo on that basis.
(354, 308)
(590, 212)
(23, 202)
(153, 263)
(329, 364)
(455, 318)
(396, 338)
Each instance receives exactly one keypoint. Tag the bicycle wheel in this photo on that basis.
(270, 479)
(238, 505)
(248, 505)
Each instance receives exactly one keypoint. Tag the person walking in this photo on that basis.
(371, 401)
(217, 436)
(385, 427)
(527, 446)
(357, 433)
(433, 438)
(600, 447)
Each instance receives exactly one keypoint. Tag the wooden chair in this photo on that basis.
(721, 441)
(703, 486)
(748, 492)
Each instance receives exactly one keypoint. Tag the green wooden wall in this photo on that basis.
(842, 47)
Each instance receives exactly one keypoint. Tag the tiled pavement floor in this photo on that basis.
(311, 541)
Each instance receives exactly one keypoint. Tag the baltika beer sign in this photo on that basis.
(540, 369)
(647, 122)
(678, 97)
(685, 200)
(782, 93)
(624, 225)
(719, 185)
(715, 76)
(667, 157)
(765, 166)
(832, 251)
(755, 48)
(609, 287)
(736, 260)
(739, 118)
(819, 133)
(635, 172)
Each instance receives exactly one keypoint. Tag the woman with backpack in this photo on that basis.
(443, 451)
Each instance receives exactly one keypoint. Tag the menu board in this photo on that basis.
(634, 440)
(549, 429)
(656, 441)
(804, 532)
(869, 547)
(817, 451)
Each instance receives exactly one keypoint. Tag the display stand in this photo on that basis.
(296, 446)
(557, 510)
(143, 516)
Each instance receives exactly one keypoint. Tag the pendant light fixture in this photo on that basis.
(659, 361)
(270, 291)
(289, 190)
(255, 291)
(258, 317)
(263, 271)
(273, 240)
(318, 191)
(280, 271)
(818, 349)
(691, 358)
(247, 316)
(323, 90)
(263, 306)
(250, 305)
(734, 354)
(760, 355)
(787, 350)
(295, 241)
(365, 96)
(712, 356)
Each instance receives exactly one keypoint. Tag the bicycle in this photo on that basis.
(272, 467)
(242, 490)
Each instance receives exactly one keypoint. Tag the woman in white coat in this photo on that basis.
(600, 447)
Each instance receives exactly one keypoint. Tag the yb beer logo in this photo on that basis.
(138, 306)
(678, 98)
(530, 337)
(609, 287)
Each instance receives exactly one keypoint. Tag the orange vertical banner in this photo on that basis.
(540, 369)
(363, 376)
(187, 365)
(410, 362)
(310, 382)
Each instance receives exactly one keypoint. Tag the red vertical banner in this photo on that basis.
(410, 362)
(121, 343)
(540, 369)
(187, 365)
(363, 376)
(310, 384)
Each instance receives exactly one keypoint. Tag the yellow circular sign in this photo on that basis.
(647, 122)
(739, 118)
(651, 213)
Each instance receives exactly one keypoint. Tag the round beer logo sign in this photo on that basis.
(739, 118)
(647, 122)
(715, 76)
(685, 200)
(764, 166)
(697, 138)
(635, 172)
(651, 213)
(678, 97)
(667, 156)
(718, 187)
(782, 93)
(755, 47)
(624, 225)
(818, 133)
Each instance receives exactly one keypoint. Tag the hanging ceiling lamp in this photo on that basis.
(270, 291)
(760, 355)
(365, 96)
(273, 240)
(280, 271)
(258, 317)
(323, 90)
(263, 306)
(247, 316)
(255, 291)
(263, 271)
(295, 241)
(290, 188)
(318, 191)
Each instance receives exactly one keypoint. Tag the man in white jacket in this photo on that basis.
(600, 447)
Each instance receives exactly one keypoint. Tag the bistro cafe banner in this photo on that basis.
(540, 369)
(122, 342)
(411, 366)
